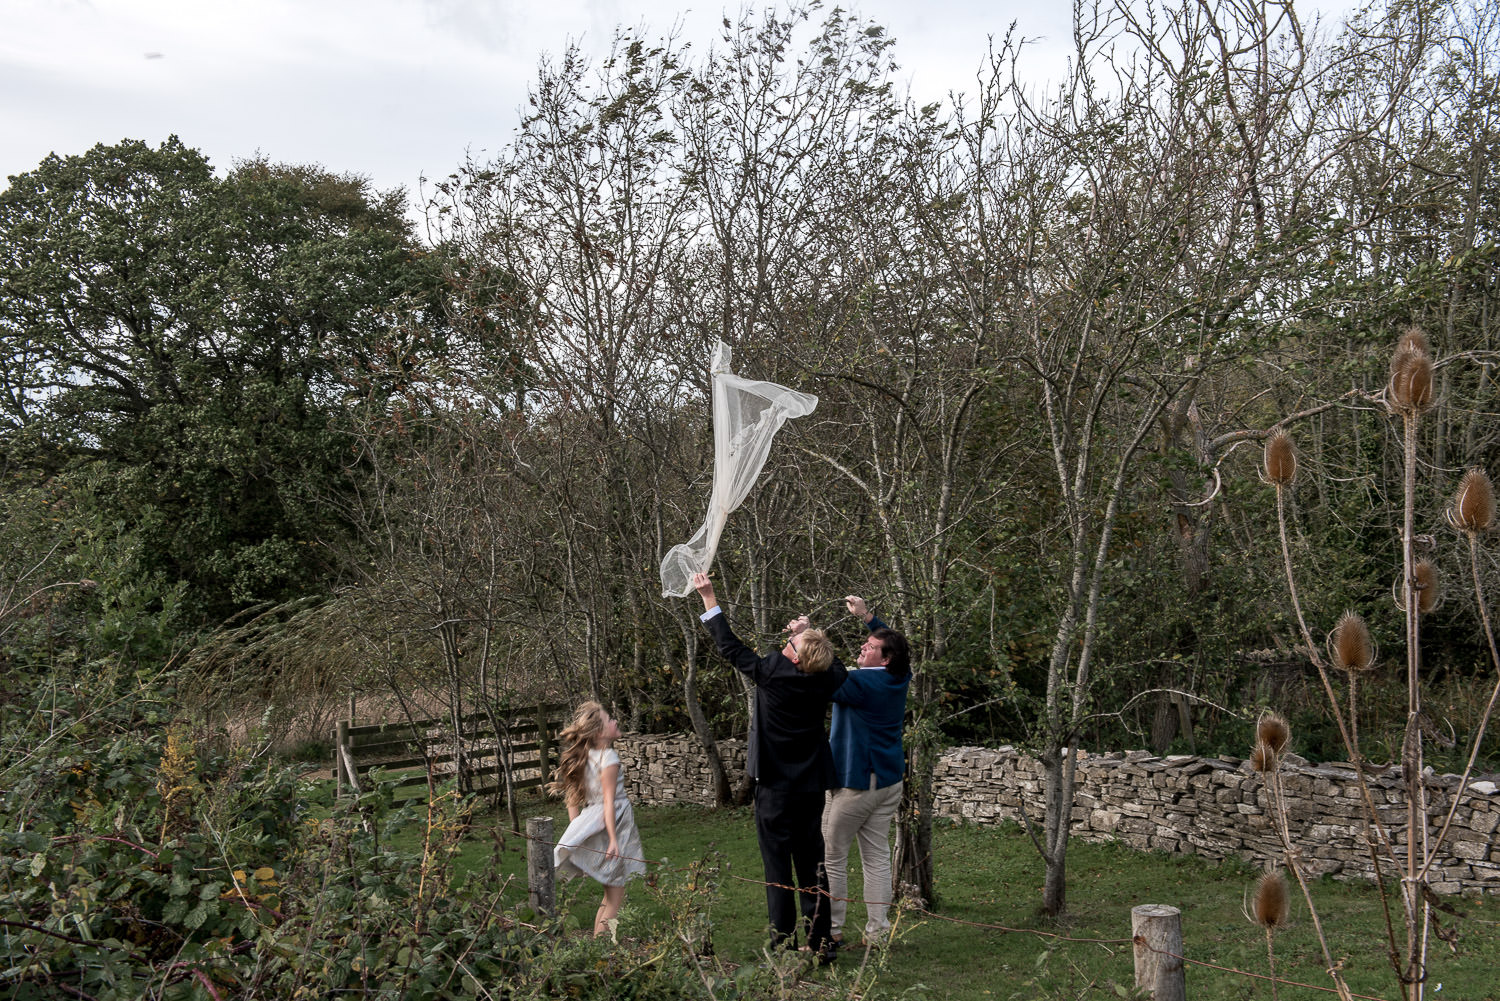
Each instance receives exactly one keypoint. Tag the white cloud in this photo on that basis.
(388, 88)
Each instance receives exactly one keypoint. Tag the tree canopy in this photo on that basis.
(181, 344)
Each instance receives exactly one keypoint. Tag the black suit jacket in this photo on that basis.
(788, 741)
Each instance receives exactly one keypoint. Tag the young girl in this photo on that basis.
(601, 841)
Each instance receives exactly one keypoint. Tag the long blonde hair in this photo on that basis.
(572, 766)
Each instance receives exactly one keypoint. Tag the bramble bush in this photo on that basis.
(142, 859)
(139, 861)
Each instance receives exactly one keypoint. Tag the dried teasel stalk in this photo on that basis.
(1280, 459)
(1350, 646)
(1263, 759)
(1429, 586)
(1270, 909)
(1409, 391)
(1473, 507)
(1272, 902)
(1273, 731)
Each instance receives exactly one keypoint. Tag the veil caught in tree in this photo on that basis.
(747, 415)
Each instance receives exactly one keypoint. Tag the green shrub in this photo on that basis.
(138, 862)
(139, 859)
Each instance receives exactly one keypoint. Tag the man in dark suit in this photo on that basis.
(791, 763)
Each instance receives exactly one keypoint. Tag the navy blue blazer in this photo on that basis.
(788, 745)
(868, 713)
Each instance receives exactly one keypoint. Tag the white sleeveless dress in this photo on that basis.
(581, 849)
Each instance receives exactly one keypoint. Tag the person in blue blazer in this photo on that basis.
(869, 711)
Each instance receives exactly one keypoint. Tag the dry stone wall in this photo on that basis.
(661, 769)
(1212, 807)
(1218, 807)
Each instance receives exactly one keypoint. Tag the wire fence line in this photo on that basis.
(662, 868)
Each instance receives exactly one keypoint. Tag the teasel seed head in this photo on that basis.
(1350, 646)
(1281, 459)
(1429, 586)
(1273, 731)
(1414, 338)
(1272, 902)
(1473, 508)
(1409, 391)
(1262, 758)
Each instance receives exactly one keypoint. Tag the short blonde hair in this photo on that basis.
(814, 652)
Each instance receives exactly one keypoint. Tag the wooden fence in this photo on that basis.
(519, 741)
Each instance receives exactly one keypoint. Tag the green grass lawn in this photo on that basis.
(992, 876)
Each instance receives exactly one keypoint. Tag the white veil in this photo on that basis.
(747, 415)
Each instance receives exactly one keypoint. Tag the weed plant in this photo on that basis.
(1407, 840)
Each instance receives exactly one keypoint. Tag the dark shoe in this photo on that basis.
(828, 952)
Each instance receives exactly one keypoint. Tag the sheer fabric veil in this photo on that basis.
(747, 415)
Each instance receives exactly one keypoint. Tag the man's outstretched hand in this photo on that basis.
(858, 608)
(798, 626)
(705, 589)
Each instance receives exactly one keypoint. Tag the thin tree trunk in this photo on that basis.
(687, 676)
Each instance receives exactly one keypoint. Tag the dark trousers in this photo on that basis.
(789, 826)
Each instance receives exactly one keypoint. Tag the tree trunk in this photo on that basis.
(1058, 774)
(687, 677)
(448, 636)
(1164, 722)
(914, 872)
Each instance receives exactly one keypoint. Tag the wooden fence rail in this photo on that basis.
(519, 740)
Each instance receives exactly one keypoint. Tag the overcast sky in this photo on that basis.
(392, 89)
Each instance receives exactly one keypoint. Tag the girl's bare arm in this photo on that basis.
(607, 779)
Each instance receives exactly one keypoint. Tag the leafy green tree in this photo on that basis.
(182, 340)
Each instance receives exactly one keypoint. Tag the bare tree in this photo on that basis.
(1156, 202)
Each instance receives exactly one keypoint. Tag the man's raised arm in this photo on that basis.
(741, 657)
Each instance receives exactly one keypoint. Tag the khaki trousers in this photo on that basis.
(864, 814)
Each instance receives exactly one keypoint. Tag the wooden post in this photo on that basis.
(340, 739)
(349, 770)
(1157, 930)
(539, 875)
(543, 746)
(351, 708)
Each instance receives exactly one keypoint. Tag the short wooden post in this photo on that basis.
(1157, 930)
(349, 770)
(340, 740)
(540, 887)
(543, 746)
